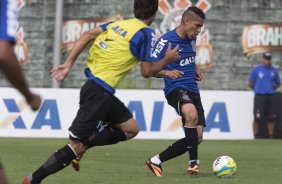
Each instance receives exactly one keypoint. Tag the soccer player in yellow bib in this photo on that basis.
(102, 119)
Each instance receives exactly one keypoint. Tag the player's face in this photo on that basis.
(193, 27)
(266, 62)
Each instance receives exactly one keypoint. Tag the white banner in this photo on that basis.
(228, 114)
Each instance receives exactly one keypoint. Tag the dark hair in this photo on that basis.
(195, 10)
(144, 9)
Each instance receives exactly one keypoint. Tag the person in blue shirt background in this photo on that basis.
(182, 93)
(264, 80)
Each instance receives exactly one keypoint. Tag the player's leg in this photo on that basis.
(200, 130)
(119, 126)
(201, 117)
(191, 134)
(56, 162)
(174, 150)
(258, 114)
(82, 128)
(115, 133)
(122, 125)
(3, 177)
(271, 116)
(175, 99)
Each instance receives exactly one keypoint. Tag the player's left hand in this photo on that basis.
(200, 76)
(174, 74)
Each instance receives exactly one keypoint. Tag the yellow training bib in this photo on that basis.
(110, 56)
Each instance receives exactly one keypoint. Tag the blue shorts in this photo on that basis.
(8, 20)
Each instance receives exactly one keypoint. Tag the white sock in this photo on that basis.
(156, 160)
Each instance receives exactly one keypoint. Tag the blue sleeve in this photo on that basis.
(277, 78)
(160, 49)
(104, 26)
(142, 43)
(8, 20)
(252, 76)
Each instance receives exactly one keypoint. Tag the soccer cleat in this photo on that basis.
(193, 167)
(155, 168)
(27, 180)
(75, 164)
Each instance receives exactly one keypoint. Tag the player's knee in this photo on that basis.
(78, 147)
(191, 119)
(134, 130)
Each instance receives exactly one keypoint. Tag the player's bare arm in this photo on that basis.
(12, 70)
(200, 75)
(61, 71)
(148, 69)
(276, 85)
(173, 74)
(251, 84)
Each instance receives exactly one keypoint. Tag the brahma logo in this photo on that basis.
(21, 50)
(262, 38)
(173, 18)
(73, 29)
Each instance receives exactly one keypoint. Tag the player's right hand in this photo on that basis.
(174, 74)
(60, 72)
(172, 54)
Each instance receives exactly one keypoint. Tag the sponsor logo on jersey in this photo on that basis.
(119, 30)
(73, 29)
(172, 18)
(159, 48)
(103, 45)
(262, 38)
(187, 61)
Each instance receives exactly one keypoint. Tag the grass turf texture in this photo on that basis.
(258, 161)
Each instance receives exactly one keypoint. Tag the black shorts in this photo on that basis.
(264, 107)
(96, 106)
(181, 96)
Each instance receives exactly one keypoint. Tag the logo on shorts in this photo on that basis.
(185, 97)
(258, 114)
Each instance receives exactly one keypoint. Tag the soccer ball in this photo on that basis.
(224, 167)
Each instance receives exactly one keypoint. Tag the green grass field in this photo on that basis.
(258, 161)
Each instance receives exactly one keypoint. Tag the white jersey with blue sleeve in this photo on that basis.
(8, 20)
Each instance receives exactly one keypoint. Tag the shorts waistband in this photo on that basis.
(269, 94)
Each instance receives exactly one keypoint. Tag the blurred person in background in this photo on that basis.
(183, 93)
(264, 80)
(8, 61)
(102, 119)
